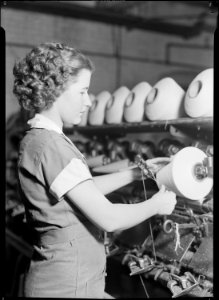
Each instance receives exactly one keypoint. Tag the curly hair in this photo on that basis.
(43, 74)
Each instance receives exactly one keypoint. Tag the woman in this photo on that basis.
(65, 206)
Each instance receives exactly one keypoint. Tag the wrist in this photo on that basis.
(154, 205)
(131, 175)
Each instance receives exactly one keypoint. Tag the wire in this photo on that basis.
(152, 237)
(151, 232)
(187, 249)
(145, 290)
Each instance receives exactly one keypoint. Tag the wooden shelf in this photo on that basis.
(190, 126)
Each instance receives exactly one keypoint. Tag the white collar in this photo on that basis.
(40, 121)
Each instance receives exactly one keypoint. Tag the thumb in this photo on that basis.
(162, 188)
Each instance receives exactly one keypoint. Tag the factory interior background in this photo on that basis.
(130, 42)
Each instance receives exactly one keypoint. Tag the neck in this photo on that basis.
(53, 116)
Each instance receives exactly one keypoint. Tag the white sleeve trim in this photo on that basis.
(74, 173)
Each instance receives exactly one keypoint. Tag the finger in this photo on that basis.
(162, 188)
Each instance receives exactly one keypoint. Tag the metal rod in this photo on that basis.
(144, 287)
(187, 249)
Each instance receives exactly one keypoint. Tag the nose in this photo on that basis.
(87, 101)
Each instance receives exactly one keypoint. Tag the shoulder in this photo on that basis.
(35, 140)
(41, 142)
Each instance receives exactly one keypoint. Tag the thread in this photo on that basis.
(151, 231)
(177, 238)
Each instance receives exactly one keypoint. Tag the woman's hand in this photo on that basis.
(165, 201)
(157, 163)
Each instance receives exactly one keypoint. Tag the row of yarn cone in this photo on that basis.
(166, 100)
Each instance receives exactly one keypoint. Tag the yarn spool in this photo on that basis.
(98, 160)
(135, 102)
(115, 106)
(116, 166)
(199, 96)
(165, 101)
(97, 111)
(84, 119)
(180, 175)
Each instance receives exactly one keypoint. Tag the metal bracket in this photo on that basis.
(187, 282)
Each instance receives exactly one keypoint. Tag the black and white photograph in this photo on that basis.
(109, 150)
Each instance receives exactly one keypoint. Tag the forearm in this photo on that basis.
(107, 215)
(128, 215)
(111, 182)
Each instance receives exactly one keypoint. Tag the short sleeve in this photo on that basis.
(62, 167)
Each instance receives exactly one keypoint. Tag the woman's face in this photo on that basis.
(75, 100)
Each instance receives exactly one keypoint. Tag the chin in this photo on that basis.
(67, 125)
(77, 121)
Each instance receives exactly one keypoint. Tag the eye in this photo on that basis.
(83, 92)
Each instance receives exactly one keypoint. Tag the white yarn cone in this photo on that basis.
(179, 175)
(135, 102)
(84, 119)
(199, 96)
(115, 106)
(97, 111)
(165, 101)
